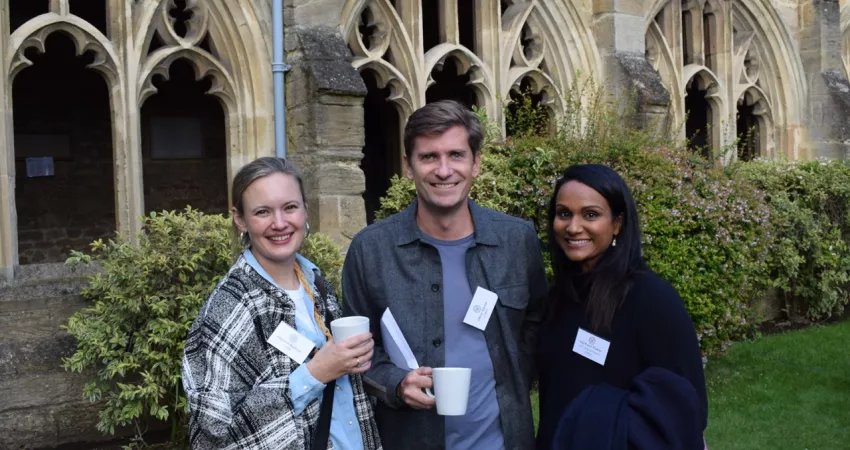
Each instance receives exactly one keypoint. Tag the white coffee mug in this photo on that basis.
(451, 390)
(346, 327)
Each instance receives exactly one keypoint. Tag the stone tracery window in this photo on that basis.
(185, 93)
(722, 91)
(480, 52)
(166, 35)
(61, 71)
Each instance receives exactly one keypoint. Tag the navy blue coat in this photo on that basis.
(661, 411)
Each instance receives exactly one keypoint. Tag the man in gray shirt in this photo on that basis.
(425, 264)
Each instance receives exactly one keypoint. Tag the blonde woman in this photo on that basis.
(246, 393)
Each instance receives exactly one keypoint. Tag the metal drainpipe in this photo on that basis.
(279, 69)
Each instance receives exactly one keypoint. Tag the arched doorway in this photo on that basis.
(184, 150)
(64, 189)
(451, 82)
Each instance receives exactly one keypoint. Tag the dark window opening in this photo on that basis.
(20, 11)
(382, 149)
(698, 125)
(450, 85)
(687, 38)
(430, 24)
(181, 16)
(466, 23)
(367, 27)
(749, 145)
(92, 11)
(156, 43)
(527, 116)
(62, 121)
(184, 145)
(206, 44)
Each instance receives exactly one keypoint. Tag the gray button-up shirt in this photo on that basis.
(390, 265)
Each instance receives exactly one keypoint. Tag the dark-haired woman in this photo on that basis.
(610, 320)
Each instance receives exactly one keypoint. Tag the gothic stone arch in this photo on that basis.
(546, 40)
(750, 49)
(493, 48)
(238, 63)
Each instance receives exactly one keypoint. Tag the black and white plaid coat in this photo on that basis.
(237, 385)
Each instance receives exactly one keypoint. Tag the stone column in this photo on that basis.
(126, 125)
(326, 129)
(8, 220)
(619, 30)
(829, 103)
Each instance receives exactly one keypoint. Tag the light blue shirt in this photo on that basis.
(345, 431)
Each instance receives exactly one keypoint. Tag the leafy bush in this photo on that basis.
(142, 304)
(809, 258)
(704, 230)
(327, 255)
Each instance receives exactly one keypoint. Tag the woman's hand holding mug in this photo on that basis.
(352, 355)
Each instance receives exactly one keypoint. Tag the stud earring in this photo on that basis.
(614, 242)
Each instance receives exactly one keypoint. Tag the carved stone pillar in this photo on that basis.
(8, 224)
(619, 29)
(829, 104)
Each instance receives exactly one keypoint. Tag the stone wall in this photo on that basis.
(325, 116)
(200, 183)
(65, 212)
(42, 404)
(820, 50)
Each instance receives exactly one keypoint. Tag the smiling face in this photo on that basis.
(274, 216)
(584, 223)
(443, 167)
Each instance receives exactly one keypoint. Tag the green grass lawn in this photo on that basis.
(786, 391)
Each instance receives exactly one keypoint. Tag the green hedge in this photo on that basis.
(809, 254)
(141, 304)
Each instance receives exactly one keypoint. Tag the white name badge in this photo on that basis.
(481, 308)
(591, 347)
(292, 343)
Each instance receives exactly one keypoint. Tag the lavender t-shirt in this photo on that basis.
(467, 347)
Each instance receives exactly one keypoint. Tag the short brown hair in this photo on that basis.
(259, 168)
(435, 118)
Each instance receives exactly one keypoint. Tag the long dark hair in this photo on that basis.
(608, 282)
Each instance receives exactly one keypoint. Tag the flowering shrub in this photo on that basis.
(809, 259)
